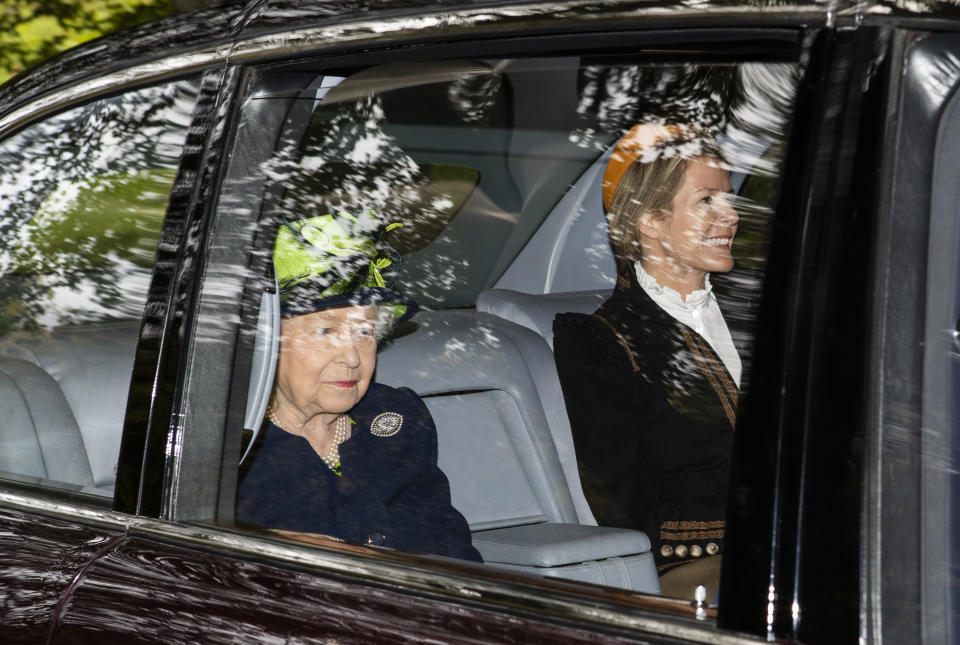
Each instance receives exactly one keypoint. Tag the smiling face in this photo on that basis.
(695, 237)
(326, 360)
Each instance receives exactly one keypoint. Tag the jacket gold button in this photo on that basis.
(713, 548)
(696, 551)
(681, 551)
(666, 550)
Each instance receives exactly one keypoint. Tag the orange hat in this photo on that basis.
(640, 139)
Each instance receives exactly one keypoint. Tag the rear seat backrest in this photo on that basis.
(495, 442)
(536, 312)
(571, 250)
(40, 436)
(468, 453)
(496, 448)
(91, 365)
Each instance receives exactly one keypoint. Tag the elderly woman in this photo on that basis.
(339, 455)
(651, 378)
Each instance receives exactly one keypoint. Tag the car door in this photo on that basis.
(475, 174)
(911, 504)
(167, 564)
(85, 203)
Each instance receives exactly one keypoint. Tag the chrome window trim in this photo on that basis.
(118, 81)
(476, 20)
(63, 509)
(493, 594)
(372, 32)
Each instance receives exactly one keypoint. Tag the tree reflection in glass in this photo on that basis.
(82, 200)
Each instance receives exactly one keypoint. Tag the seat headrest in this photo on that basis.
(537, 311)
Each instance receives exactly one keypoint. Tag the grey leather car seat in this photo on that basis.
(64, 395)
(536, 312)
(40, 436)
(566, 266)
(496, 447)
(570, 251)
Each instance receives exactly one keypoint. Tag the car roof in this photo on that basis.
(214, 31)
(219, 33)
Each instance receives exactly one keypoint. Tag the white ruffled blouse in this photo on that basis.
(700, 312)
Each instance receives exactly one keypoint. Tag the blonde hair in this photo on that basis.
(644, 188)
(649, 187)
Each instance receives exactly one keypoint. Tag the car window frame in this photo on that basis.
(41, 503)
(160, 417)
(63, 101)
(811, 471)
(154, 478)
(908, 596)
(34, 500)
(258, 282)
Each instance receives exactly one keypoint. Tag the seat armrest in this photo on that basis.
(556, 545)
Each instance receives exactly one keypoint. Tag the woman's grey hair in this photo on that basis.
(384, 319)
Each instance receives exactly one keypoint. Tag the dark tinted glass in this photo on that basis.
(494, 169)
(82, 199)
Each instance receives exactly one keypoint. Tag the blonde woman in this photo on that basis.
(651, 378)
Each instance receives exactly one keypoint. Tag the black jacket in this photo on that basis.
(652, 409)
(391, 493)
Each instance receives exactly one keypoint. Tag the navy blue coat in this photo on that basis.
(391, 493)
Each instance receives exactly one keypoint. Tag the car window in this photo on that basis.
(493, 169)
(82, 198)
(936, 447)
(942, 379)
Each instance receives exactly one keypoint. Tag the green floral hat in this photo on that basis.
(340, 260)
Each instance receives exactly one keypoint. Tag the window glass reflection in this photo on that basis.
(82, 200)
(495, 171)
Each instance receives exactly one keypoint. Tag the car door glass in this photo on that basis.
(494, 169)
(82, 197)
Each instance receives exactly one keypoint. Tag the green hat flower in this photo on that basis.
(340, 260)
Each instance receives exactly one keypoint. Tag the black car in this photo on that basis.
(142, 177)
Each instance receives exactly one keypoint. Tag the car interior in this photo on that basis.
(77, 263)
(511, 241)
(489, 382)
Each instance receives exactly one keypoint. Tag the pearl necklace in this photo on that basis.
(332, 458)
